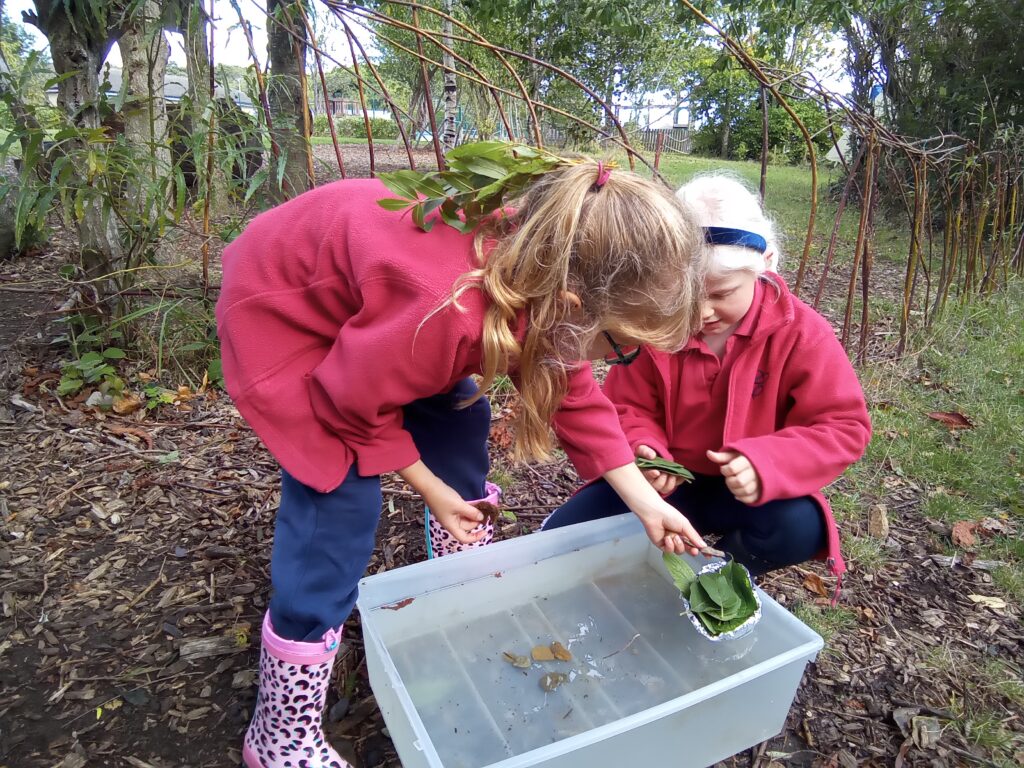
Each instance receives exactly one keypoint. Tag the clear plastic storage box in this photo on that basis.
(642, 688)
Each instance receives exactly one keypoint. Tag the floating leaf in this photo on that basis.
(560, 651)
(520, 662)
(552, 680)
(542, 653)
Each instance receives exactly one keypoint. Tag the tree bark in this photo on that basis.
(286, 46)
(77, 50)
(451, 98)
(193, 23)
(144, 53)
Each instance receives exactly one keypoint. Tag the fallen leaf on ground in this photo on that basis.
(951, 419)
(127, 404)
(963, 534)
(142, 434)
(878, 521)
(926, 732)
(814, 583)
(988, 601)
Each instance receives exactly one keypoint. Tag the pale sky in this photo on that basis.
(230, 46)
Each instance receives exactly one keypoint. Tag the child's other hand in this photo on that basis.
(461, 519)
(740, 476)
(662, 482)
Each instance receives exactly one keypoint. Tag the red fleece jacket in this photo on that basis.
(329, 323)
(794, 406)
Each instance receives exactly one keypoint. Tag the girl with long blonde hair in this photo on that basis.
(349, 337)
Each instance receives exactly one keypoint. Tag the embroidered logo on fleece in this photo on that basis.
(759, 382)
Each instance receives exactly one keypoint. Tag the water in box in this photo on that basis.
(611, 604)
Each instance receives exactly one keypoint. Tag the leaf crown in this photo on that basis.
(482, 177)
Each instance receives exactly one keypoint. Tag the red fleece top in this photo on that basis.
(329, 323)
(784, 395)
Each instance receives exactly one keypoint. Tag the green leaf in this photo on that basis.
(394, 204)
(484, 167)
(456, 181)
(403, 183)
(418, 218)
(666, 466)
(723, 600)
(113, 353)
(69, 385)
(741, 585)
(680, 571)
(256, 181)
(493, 150)
(700, 603)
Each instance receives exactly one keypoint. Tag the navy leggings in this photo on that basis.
(773, 535)
(323, 541)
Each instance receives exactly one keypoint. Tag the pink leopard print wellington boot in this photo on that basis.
(441, 543)
(286, 730)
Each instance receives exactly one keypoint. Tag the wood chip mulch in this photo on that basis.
(133, 576)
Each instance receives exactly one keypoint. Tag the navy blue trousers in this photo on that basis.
(773, 535)
(323, 541)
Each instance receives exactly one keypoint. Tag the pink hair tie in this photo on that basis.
(602, 175)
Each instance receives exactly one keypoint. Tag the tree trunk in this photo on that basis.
(144, 53)
(197, 66)
(77, 49)
(451, 98)
(286, 45)
(723, 147)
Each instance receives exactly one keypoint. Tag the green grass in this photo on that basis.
(788, 198)
(970, 362)
(825, 620)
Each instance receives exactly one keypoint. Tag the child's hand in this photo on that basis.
(670, 531)
(740, 476)
(461, 519)
(662, 482)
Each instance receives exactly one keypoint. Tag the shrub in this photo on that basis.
(353, 126)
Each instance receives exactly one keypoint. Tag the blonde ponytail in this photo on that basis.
(627, 248)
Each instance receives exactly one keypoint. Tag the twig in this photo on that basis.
(632, 640)
(152, 584)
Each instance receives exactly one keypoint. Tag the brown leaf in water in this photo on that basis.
(560, 651)
(542, 653)
(963, 534)
(520, 662)
(951, 419)
(552, 680)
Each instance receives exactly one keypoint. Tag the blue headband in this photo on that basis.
(740, 237)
